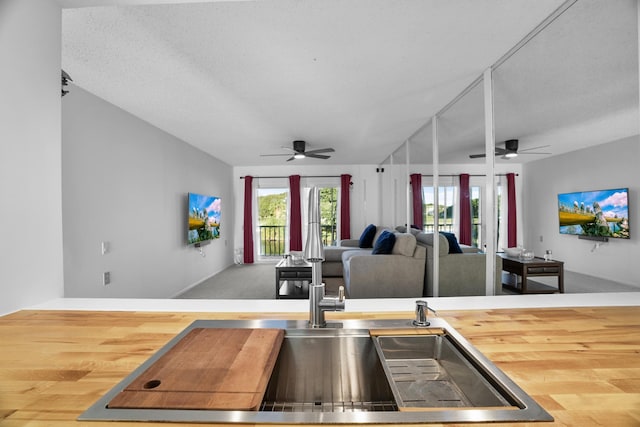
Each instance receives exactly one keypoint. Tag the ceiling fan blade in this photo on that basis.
(298, 151)
(531, 152)
(534, 148)
(320, 150)
(317, 156)
(499, 152)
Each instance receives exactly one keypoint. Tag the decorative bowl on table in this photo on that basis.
(527, 255)
(513, 252)
(297, 258)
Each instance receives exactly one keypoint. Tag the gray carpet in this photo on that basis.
(257, 281)
(245, 281)
(578, 283)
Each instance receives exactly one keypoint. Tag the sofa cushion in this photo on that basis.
(466, 249)
(426, 239)
(379, 230)
(366, 239)
(403, 229)
(334, 253)
(384, 244)
(454, 247)
(346, 256)
(405, 244)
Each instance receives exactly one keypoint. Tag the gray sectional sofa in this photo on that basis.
(399, 274)
(408, 271)
(460, 274)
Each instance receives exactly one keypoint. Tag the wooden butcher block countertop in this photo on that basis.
(224, 369)
(581, 364)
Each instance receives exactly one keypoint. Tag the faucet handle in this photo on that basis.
(341, 296)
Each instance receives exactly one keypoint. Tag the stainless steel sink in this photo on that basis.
(342, 374)
(328, 370)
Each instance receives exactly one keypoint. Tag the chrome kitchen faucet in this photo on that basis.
(314, 253)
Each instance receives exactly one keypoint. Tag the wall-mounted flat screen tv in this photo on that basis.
(204, 218)
(603, 213)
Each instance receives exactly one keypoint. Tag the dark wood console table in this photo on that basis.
(536, 267)
(292, 279)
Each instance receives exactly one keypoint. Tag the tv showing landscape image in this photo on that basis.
(204, 218)
(603, 213)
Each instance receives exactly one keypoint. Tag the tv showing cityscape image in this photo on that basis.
(204, 218)
(603, 213)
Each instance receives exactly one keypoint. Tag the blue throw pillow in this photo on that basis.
(454, 247)
(384, 244)
(366, 239)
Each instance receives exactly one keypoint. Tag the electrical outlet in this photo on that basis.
(541, 238)
(106, 278)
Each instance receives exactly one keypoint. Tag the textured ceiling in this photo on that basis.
(242, 78)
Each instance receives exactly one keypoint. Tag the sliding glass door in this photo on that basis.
(272, 222)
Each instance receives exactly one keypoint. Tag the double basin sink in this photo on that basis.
(360, 371)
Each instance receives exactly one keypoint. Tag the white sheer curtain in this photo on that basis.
(502, 209)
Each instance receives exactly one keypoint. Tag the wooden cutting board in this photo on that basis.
(210, 368)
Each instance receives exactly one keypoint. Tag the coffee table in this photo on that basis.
(292, 279)
(536, 267)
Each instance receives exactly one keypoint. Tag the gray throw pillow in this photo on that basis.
(405, 244)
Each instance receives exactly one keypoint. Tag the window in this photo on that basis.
(476, 215)
(272, 216)
(449, 210)
(329, 215)
(446, 208)
(272, 221)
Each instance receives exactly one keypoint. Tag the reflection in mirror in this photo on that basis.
(580, 69)
(461, 127)
(571, 83)
(395, 176)
(573, 86)
(463, 189)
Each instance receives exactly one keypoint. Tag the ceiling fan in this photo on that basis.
(510, 150)
(299, 152)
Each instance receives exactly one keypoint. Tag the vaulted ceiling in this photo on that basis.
(239, 79)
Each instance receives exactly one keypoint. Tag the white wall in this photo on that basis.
(125, 182)
(31, 213)
(611, 165)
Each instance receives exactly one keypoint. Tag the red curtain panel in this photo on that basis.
(465, 210)
(416, 193)
(295, 214)
(512, 227)
(345, 207)
(248, 220)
